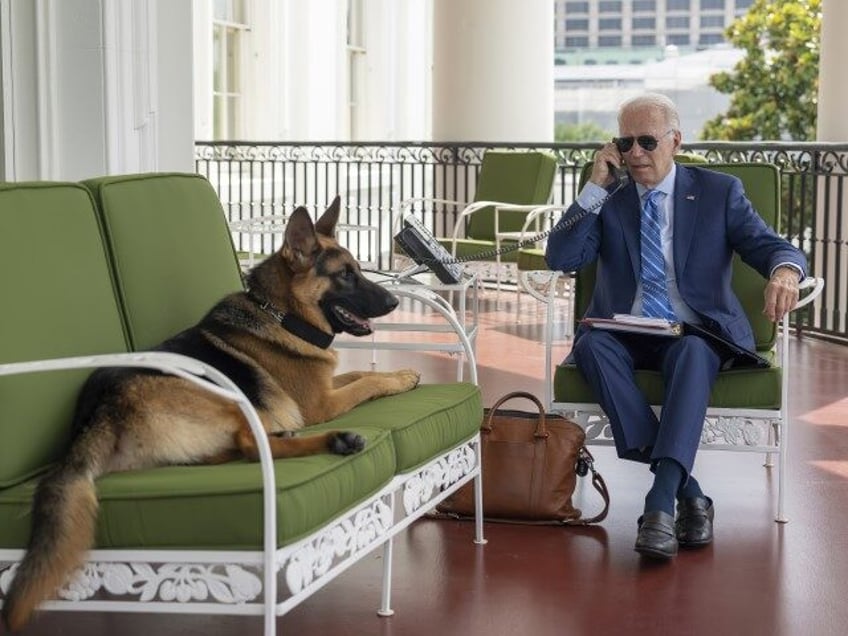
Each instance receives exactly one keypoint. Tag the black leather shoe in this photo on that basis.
(694, 524)
(656, 538)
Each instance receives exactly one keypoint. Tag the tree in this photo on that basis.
(587, 131)
(774, 88)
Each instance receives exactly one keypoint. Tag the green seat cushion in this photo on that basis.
(424, 422)
(171, 247)
(531, 258)
(219, 507)
(737, 388)
(58, 301)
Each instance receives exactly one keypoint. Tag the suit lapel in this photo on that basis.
(687, 207)
(630, 221)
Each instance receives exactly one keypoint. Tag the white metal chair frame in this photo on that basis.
(246, 582)
(748, 430)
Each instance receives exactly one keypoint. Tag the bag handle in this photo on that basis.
(541, 426)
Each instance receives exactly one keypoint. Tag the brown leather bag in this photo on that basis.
(530, 463)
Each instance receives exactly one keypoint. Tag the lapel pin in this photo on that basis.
(690, 197)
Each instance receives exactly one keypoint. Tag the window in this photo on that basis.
(678, 5)
(712, 21)
(712, 4)
(229, 24)
(609, 24)
(577, 24)
(643, 6)
(609, 40)
(643, 40)
(355, 61)
(644, 23)
(708, 39)
(577, 42)
(678, 39)
(677, 22)
(576, 7)
(743, 4)
(609, 6)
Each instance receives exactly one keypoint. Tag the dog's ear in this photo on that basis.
(301, 244)
(326, 225)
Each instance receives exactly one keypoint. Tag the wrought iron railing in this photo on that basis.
(264, 178)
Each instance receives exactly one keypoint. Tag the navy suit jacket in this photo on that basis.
(713, 219)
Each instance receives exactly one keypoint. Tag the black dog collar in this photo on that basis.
(294, 324)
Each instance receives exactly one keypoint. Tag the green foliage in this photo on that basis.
(588, 131)
(774, 88)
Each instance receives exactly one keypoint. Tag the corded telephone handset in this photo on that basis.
(428, 253)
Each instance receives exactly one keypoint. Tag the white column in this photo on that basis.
(833, 82)
(832, 126)
(493, 66)
(96, 87)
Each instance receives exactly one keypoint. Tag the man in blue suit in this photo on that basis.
(663, 243)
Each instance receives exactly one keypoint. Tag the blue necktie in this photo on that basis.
(655, 302)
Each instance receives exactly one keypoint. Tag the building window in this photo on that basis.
(577, 42)
(609, 40)
(609, 24)
(678, 39)
(708, 39)
(355, 62)
(577, 24)
(229, 25)
(712, 21)
(712, 4)
(644, 23)
(643, 40)
(609, 6)
(678, 5)
(576, 7)
(644, 6)
(677, 22)
(743, 4)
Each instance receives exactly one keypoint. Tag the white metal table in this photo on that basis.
(426, 290)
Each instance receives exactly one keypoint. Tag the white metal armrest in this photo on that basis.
(209, 378)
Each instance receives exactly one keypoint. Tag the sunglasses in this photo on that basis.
(647, 142)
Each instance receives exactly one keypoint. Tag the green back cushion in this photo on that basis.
(58, 301)
(762, 186)
(522, 178)
(171, 247)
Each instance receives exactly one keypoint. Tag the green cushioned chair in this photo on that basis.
(509, 186)
(747, 409)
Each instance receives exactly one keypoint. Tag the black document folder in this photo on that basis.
(732, 355)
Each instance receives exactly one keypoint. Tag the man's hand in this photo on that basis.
(781, 293)
(601, 174)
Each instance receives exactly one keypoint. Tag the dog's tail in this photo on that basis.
(63, 522)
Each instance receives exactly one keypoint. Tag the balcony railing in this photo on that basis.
(263, 178)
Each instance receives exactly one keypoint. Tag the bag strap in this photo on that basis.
(541, 426)
(587, 460)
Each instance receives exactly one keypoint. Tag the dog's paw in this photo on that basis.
(409, 378)
(345, 443)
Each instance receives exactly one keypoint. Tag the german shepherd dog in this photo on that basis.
(272, 340)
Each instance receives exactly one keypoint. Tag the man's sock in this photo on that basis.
(690, 489)
(668, 476)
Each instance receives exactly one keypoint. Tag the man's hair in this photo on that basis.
(653, 100)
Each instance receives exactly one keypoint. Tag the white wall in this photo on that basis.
(95, 87)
